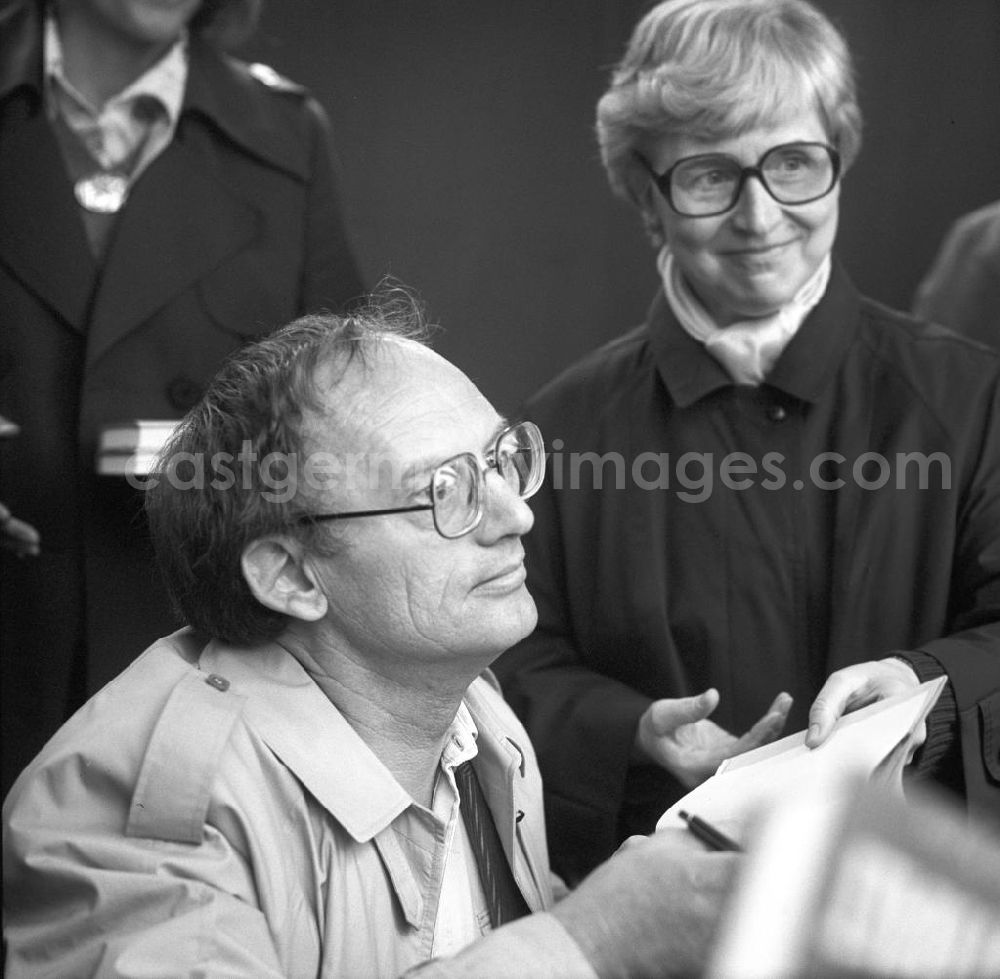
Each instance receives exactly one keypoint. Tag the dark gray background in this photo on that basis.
(465, 134)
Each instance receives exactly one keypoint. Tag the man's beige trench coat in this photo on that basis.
(211, 813)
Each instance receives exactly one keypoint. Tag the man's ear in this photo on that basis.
(280, 578)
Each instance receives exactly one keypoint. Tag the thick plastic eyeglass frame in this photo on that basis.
(662, 180)
(533, 437)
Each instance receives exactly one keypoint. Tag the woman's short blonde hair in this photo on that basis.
(717, 68)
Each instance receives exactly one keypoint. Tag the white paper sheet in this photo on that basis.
(873, 740)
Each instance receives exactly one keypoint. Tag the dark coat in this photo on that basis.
(232, 231)
(674, 581)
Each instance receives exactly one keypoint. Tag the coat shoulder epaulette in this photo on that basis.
(271, 79)
(175, 780)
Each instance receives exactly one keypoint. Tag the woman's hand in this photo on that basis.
(676, 734)
(857, 686)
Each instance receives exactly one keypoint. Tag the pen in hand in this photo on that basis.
(708, 834)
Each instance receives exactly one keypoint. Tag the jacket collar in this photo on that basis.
(227, 93)
(41, 235)
(314, 740)
(221, 89)
(499, 759)
(804, 369)
(21, 49)
(300, 724)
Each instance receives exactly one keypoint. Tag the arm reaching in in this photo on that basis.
(652, 909)
(857, 686)
(677, 735)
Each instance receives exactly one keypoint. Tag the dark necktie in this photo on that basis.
(502, 893)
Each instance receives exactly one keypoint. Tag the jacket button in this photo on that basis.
(183, 393)
(219, 682)
(777, 413)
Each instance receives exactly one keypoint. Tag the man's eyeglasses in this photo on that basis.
(458, 486)
(708, 184)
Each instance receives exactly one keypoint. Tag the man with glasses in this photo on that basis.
(319, 776)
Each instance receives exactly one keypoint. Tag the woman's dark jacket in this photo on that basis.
(755, 540)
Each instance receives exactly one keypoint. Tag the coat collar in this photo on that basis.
(311, 737)
(227, 93)
(41, 235)
(21, 49)
(179, 208)
(804, 369)
(222, 89)
(314, 740)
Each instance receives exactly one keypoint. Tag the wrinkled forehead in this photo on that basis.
(400, 397)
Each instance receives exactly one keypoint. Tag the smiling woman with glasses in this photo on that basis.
(457, 489)
(679, 628)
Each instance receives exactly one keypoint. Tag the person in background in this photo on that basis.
(162, 204)
(961, 290)
(772, 479)
(319, 775)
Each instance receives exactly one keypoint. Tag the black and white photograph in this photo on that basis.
(500, 490)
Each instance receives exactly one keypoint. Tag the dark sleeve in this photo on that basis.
(331, 277)
(962, 750)
(939, 756)
(581, 723)
(970, 654)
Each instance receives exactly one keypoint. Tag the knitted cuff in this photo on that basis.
(940, 754)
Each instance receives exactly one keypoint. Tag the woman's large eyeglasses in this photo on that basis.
(711, 183)
(458, 486)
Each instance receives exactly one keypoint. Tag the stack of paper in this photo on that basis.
(875, 740)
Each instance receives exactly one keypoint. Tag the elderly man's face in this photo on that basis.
(399, 592)
(752, 260)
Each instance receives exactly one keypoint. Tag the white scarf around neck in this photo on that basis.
(747, 349)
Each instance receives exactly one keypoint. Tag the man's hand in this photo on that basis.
(857, 686)
(15, 534)
(676, 734)
(652, 909)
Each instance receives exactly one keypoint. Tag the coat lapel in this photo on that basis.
(313, 739)
(180, 223)
(501, 770)
(42, 239)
